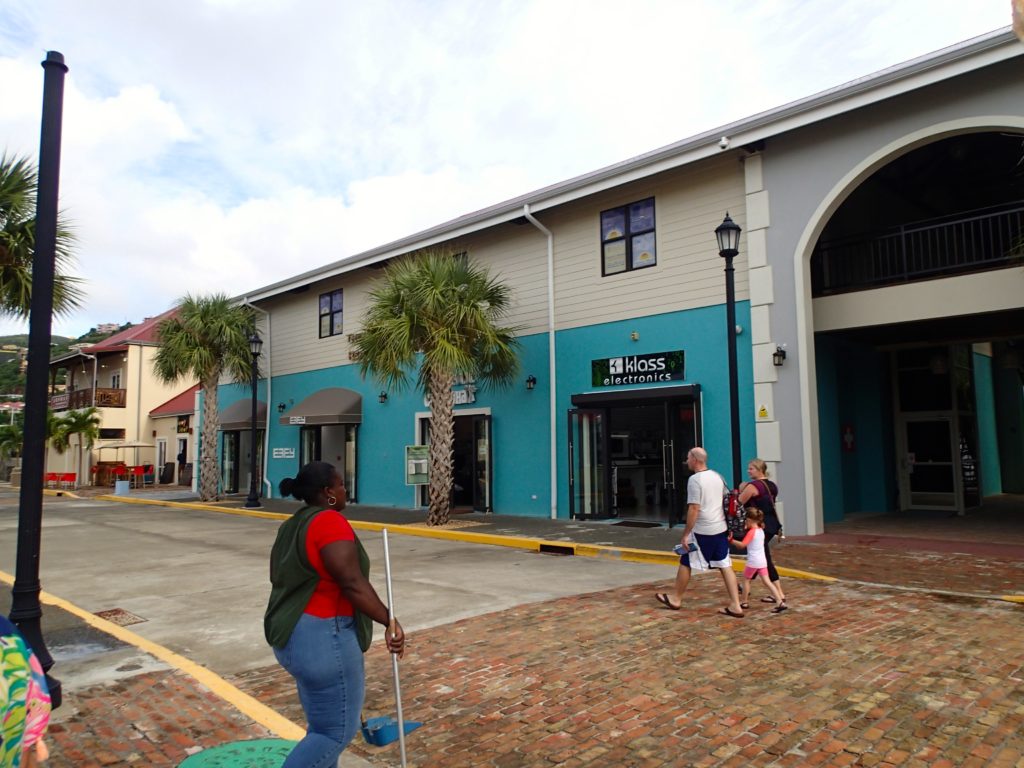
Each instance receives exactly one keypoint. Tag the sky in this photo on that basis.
(217, 146)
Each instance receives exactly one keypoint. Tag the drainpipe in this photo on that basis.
(269, 492)
(553, 438)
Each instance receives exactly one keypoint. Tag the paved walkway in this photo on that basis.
(913, 657)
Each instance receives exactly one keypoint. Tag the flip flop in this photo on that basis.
(662, 598)
(744, 606)
(726, 612)
(768, 599)
(780, 607)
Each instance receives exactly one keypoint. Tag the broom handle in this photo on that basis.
(394, 657)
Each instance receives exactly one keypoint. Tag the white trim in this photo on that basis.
(830, 202)
(970, 55)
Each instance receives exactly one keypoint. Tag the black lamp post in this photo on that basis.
(26, 610)
(252, 501)
(728, 236)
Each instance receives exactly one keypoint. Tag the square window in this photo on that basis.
(628, 238)
(331, 307)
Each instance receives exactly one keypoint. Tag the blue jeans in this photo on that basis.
(324, 658)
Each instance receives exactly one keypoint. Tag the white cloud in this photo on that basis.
(219, 145)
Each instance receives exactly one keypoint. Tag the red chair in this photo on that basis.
(52, 478)
(94, 473)
(67, 479)
(137, 474)
(119, 471)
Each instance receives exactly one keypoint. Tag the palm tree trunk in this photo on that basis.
(208, 479)
(442, 435)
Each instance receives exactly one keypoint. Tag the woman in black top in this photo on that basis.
(762, 493)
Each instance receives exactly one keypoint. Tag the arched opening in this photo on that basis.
(918, 324)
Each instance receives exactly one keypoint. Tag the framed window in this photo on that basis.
(627, 238)
(115, 380)
(332, 311)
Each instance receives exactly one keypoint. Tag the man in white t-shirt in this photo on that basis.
(706, 528)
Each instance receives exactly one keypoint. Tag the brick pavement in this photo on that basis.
(154, 720)
(852, 675)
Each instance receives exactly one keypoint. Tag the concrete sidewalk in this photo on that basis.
(965, 566)
(161, 709)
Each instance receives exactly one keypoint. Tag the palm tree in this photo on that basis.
(17, 244)
(438, 314)
(12, 437)
(205, 338)
(57, 435)
(85, 425)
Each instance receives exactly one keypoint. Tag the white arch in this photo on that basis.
(802, 278)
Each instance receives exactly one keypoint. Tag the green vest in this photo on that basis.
(293, 581)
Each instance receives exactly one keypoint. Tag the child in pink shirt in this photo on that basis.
(757, 562)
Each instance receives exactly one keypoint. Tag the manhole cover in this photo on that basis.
(120, 616)
(260, 753)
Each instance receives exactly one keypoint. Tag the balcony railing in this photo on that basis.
(974, 242)
(82, 398)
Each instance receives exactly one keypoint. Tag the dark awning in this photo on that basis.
(335, 405)
(238, 415)
(639, 396)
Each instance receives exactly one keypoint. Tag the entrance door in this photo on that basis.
(929, 466)
(229, 462)
(482, 463)
(588, 478)
(472, 475)
(309, 445)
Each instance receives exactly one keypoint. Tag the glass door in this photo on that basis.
(482, 463)
(229, 462)
(588, 479)
(681, 428)
(309, 445)
(930, 465)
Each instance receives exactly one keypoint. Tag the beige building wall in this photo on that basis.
(689, 204)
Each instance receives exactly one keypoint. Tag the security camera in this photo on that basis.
(723, 143)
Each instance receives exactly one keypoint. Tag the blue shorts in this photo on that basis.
(714, 547)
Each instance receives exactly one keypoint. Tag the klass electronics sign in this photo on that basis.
(637, 369)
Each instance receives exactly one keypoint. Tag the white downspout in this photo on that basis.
(552, 396)
(269, 492)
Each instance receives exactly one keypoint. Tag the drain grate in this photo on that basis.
(637, 524)
(120, 616)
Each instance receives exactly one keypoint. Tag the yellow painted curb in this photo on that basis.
(243, 702)
(55, 492)
(1013, 598)
(653, 557)
(193, 505)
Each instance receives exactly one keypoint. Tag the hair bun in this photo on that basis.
(286, 486)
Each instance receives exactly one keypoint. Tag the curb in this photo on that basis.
(545, 546)
(243, 702)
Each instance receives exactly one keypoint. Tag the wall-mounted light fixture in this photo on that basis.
(779, 356)
(634, 335)
(531, 382)
(382, 397)
(281, 407)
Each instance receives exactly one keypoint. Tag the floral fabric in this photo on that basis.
(24, 698)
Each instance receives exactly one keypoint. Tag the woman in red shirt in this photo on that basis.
(322, 651)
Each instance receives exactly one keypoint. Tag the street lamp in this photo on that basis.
(728, 235)
(252, 501)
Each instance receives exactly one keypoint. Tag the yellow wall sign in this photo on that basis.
(762, 413)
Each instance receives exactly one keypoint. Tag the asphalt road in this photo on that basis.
(198, 579)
